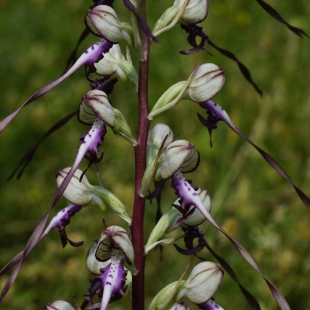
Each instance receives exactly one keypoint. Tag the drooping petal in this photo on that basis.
(89, 57)
(60, 221)
(217, 113)
(188, 197)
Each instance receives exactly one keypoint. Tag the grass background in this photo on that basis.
(250, 200)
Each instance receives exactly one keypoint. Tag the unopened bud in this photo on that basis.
(96, 103)
(179, 155)
(103, 22)
(77, 192)
(114, 237)
(195, 12)
(203, 282)
(58, 305)
(164, 296)
(206, 82)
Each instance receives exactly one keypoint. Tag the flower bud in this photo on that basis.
(103, 22)
(180, 154)
(114, 203)
(206, 82)
(195, 12)
(92, 263)
(58, 305)
(157, 135)
(163, 226)
(164, 296)
(96, 103)
(169, 98)
(115, 63)
(114, 237)
(203, 282)
(79, 193)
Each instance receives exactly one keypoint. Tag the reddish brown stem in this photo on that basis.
(140, 165)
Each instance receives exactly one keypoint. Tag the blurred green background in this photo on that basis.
(250, 200)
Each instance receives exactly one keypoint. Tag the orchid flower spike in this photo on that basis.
(88, 58)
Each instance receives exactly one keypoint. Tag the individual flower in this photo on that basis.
(103, 22)
(204, 83)
(195, 11)
(115, 248)
(79, 191)
(115, 237)
(115, 65)
(201, 285)
(203, 282)
(95, 105)
(179, 155)
(188, 11)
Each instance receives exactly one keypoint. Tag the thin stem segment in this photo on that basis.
(140, 165)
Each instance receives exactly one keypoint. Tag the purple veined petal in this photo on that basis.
(188, 196)
(89, 57)
(61, 219)
(114, 280)
(110, 285)
(210, 305)
(217, 113)
(91, 141)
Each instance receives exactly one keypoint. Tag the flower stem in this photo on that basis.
(140, 165)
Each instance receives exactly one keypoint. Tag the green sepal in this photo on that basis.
(113, 202)
(121, 127)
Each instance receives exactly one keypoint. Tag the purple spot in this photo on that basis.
(86, 52)
(108, 283)
(92, 47)
(215, 104)
(89, 135)
(195, 194)
(110, 276)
